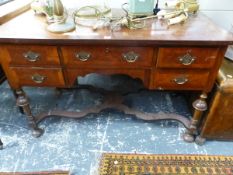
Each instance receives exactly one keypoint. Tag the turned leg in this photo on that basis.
(199, 106)
(1, 144)
(15, 95)
(22, 101)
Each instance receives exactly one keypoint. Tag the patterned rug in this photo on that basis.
(37, 173)
(134, 164)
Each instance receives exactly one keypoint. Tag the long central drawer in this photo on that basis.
(100, 56)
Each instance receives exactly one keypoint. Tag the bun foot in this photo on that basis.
(188, 138)
(200, 140)
(37, 132)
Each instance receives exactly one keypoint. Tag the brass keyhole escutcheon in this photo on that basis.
(187, 59)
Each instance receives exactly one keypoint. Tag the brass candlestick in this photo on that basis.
(61, 24)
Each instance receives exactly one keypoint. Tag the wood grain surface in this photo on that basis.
(198, 30)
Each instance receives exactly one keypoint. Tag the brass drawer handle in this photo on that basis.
(181, 80)
(83, 56)
(130, 57)
(38, 78)
(187, 59)
(31, 56)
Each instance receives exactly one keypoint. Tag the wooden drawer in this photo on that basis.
(33, 55)
(186, 57)
(180, 79)
(38, 77)
(99, 56)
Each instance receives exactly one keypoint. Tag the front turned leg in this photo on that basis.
(199, 106)
(15, 95)
(22, 101)
(1, 144)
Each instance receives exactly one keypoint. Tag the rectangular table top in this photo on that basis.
(197, 30)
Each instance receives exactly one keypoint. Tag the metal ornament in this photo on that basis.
(31, 56)
(178, 11)
(83, 56)
(61, 23)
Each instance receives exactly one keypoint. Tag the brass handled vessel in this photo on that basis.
(31, 56)
(38, 78)
(83, 56)
(187, 59)
(130, 57)
(181, 80)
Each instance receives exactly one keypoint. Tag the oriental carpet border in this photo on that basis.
(145, 164)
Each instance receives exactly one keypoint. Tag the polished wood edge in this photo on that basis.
(13, 9)
(115, 42)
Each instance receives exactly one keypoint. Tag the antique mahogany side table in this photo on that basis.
(182, 57)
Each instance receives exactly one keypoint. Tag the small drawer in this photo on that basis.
(99, 56)
(38, 77)
(180, 79)
(33, 55)
(190, 57)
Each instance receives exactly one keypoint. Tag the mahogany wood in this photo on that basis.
(190, 79)
(115, 102)
(199, 30)
(47, 55)
(107, 56)
(50, 77)
(169, 57)
(156, 54)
